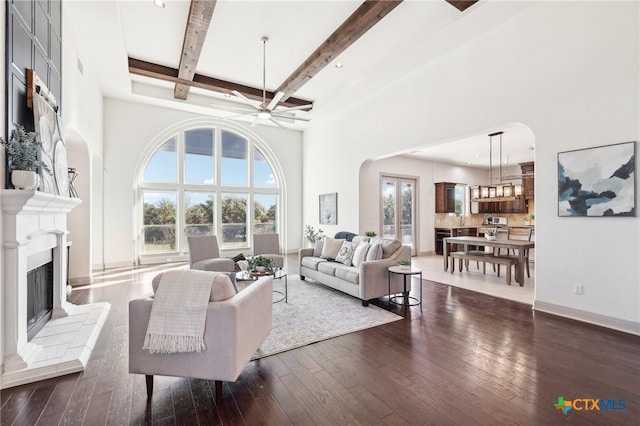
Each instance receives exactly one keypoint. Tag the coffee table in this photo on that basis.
(278, 274)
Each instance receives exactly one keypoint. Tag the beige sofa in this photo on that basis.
(365, 279)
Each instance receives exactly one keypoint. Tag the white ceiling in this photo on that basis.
(113, 30)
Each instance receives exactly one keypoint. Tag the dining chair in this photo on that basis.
(524, 234)
(268, 245)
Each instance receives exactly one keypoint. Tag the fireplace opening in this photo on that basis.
(39, 292)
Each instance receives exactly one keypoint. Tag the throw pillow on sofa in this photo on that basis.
(360, 254)
(331, 247)
(375, 252)
(221, 286)
(345, 255)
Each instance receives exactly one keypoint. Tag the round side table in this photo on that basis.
(405, 272)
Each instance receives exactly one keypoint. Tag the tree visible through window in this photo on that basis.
(187, 187)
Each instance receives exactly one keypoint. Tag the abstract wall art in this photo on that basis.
(598, 181)
(329, 209)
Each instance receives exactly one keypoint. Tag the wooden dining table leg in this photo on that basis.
(520, 271)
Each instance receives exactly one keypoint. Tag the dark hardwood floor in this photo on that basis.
(466, 359)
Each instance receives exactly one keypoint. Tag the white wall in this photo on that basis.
(82, 119)
(426, 173)
(567, 70)
(129, 128)
(3, 9)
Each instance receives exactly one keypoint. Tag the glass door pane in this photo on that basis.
(389, 190)
(159, 221)
(399, 210)
(407, 212)
(234, 220)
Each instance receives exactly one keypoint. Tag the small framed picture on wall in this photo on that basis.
(329, 209)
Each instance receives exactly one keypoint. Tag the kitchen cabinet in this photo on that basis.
(445, 197)
(528, 182)
(441, 233)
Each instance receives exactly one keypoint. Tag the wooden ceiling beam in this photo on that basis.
(362, 20)
(200, 13)
(161, 72)
(462, 5)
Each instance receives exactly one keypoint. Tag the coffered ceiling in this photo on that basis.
(134, 46)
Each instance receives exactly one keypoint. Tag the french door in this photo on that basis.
(398, 215)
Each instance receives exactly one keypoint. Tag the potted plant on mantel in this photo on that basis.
(22, 153)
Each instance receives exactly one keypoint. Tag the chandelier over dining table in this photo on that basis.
(496, 191)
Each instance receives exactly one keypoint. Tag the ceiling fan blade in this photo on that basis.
(275, 100)
(290, 117)
(246, 114)
(276, 122)
(294, 108)
(255, 122)
(246, 100)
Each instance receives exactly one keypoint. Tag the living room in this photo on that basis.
(566, 70)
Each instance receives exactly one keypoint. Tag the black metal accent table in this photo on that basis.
(405, 272)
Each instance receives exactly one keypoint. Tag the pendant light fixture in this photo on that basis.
(496, 190)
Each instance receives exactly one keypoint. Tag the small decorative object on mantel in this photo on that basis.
(404, 263)
(73, 174)
(22, 155)
(491, 233)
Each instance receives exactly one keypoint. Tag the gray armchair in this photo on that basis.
(204, 255)
(268, 245)
(234, 330)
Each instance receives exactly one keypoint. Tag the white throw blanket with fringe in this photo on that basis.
(179, 313)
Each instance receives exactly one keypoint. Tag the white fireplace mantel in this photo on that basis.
(34, 222)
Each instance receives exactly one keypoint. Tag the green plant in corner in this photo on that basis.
(370, 234)
(312, 235)
(22, 150)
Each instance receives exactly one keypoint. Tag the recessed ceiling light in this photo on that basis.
(339, 65)
(159, 3)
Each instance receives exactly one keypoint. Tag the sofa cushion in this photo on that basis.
(360, 254)
(348, 273)
(360, 239)
(389, 245)
(331, 247)
(375, 252)
(328, 268)
(221, 286)
(312, 262)
(345, 255)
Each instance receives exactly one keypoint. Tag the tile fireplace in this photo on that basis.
(35, 233)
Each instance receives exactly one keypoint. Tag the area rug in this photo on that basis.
(314, 313)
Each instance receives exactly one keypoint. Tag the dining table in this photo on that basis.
(519, 246)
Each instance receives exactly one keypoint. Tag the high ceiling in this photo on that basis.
(113, 31)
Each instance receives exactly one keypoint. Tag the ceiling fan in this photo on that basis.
(268, 111)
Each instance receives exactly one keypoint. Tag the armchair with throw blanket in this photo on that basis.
(234, 327)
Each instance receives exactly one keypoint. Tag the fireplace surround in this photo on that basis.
(35, 226)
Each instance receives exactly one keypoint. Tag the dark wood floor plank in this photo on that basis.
(465, 358)
(59, 400)
(204, 402)
(36, 403)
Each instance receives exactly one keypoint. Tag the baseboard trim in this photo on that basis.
(76, 281)
(588, 317)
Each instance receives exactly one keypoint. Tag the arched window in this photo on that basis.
(203, 181)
